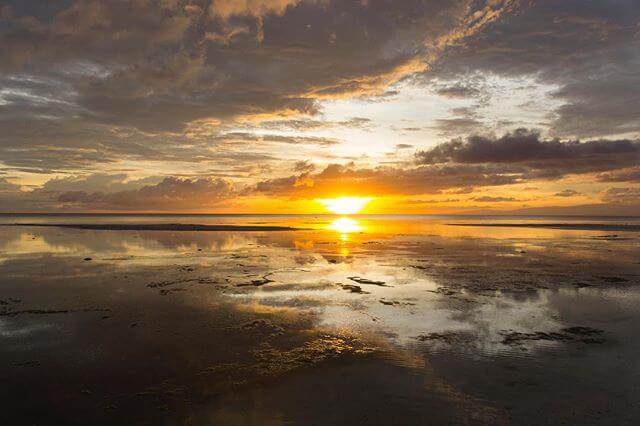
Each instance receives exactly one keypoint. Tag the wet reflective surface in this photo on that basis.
(396, 320)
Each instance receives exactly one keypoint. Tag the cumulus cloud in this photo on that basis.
(303, 167)
(169, 194)
(525, 152)
(460, 165)
(98, 182)
(348, 178)
(567, 193)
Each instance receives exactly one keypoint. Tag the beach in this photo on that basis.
(127, 319)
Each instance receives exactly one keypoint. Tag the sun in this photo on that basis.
(345, 205)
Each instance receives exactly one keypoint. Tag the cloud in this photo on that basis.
(118, 192)
(589, 51)
(293, 140)
(169, 194)
(464, 190)
(7, 186)
(567, 193)
(308, 124)
(303, 167)
(526, 153)
(458, 91)
(460, 165)
(489, 199)
(98, 182)
(158, 65)
(627, 195)
(88, 83)
(455, 126)
(403, 146)
(224, 96)
(229, 8)
(625, 175)
(430, 201)
(349, 179)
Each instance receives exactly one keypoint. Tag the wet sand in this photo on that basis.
(413, 323)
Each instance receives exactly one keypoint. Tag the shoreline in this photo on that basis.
(563, 226)
(158, 227)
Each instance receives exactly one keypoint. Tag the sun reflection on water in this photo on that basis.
(345, 226)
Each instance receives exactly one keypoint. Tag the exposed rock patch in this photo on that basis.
(353, 288)
(576, 334)
(449, 337)
(367, 281)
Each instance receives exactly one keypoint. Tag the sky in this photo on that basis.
(272, 106)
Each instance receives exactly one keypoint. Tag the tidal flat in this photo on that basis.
(319, 320)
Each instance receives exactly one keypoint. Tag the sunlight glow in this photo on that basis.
(345, 225)
(345, 205)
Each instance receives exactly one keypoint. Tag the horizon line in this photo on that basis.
(304, 214)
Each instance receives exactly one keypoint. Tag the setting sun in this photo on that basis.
(345, 205)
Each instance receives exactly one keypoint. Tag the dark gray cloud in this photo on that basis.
(461, 165)
(525, 152)
(157, 65)
(98, 182)
(46, 146)
(624, 175)
(104, 192)
(7, 186)
(243, 137)
(314, 124)
(303, 167)
(88, 82)
(626, 195)
(428, 179)
(458, 91)
(590, 50)
(170, 194)
(567, 193)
